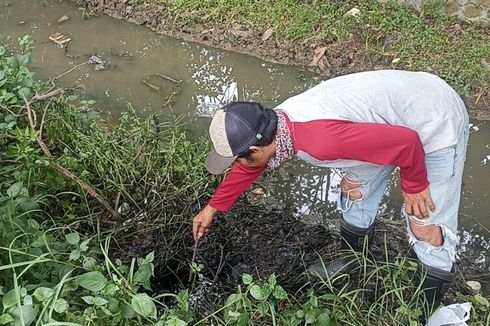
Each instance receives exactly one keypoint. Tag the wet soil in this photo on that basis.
(259, 241)
(341, 58)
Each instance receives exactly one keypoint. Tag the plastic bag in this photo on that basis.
(453, 315)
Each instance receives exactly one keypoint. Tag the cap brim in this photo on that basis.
(217, 164)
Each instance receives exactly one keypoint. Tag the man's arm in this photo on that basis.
(235, 183)
(375, 143)
(382, 144)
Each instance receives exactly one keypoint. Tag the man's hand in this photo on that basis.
(416, 204)
(202, 222)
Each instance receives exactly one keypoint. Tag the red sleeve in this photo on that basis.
(234, 184)
(368, 142)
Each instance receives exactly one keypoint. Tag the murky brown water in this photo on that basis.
(209, 77)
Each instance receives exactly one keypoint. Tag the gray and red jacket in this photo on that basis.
(386, 117)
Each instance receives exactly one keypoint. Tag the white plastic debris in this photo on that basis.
(353, 12)
(485, 160)
(453, 315)
(475, 286)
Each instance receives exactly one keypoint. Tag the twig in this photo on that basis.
(64, 171)
(193, 260)
(68, 71)
(19, 114)
(6, 136)
(140, 151)
(169, 78)
(153, 87)
(169, 99)
(220, 266)
(41, 125)
(118, 198)
(40, 97)
(481, 276)
(479, 96)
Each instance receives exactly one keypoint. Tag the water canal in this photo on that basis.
(133, 57)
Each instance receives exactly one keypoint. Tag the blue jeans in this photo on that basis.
(444, 171)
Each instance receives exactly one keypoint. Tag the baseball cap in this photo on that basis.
(234, 128)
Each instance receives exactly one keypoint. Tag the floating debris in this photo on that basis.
(156, 88)
(95, 60)
(59, 39)
(63, 18)
(485, 160)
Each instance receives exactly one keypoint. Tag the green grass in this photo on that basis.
(422, 40)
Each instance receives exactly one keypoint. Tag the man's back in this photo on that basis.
(416, 100)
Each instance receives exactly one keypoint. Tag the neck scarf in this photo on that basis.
(284, 143)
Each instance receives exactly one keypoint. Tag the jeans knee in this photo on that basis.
(351, 187)
(429, 233)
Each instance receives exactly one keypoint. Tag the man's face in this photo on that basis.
(259, 156)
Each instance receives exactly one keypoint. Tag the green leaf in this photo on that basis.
(72, 238)
(247, 279)
(143, 274)
(27, 203)
(110, 290)
(24, 92)
(9, 117)
(257, 293)
(10, 98)
(92, 281)
(27, 300)
(84, 245)
(33, 223)
(24, 59)
(272, 280)
(15, 189)
(481, 300)
(74, 254)
(279, 293)
(144, 305)
(29, 313)
(263, 308)
(128, 312)
(113, 305)
(89, 263)
(98, 301)
(5, 319)
(9, 299)
(324, 319)
(61, 305)
(43, 294)
(175, 321)
(88, 299)
(150, 257)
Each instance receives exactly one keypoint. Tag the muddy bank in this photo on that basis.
(341, 58)
(260, 241)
